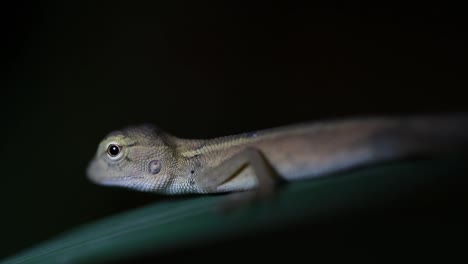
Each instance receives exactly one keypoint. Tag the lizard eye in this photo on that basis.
(113, 150)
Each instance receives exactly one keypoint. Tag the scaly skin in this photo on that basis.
(148, 159)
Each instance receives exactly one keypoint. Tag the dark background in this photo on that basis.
(75, 71)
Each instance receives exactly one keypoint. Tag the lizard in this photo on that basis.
(146, 158)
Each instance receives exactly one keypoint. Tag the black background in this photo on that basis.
(76, 70)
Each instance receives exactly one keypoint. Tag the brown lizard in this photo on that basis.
(145, 158)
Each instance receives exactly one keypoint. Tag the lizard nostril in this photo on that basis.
(155, 166)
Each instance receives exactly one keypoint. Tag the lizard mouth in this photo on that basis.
(97, 173)
(119, 180)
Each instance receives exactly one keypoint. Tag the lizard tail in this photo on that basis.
(423, 136)
(343, 145)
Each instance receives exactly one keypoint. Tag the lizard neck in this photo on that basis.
(189, 148)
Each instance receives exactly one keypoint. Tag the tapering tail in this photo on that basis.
(424, 135)
(340, 145)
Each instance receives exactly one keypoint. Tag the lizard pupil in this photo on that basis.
(113, 150)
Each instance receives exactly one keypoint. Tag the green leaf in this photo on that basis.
(194, 220)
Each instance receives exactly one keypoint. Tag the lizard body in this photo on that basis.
(145, 158)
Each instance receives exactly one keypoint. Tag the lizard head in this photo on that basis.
(139, 158)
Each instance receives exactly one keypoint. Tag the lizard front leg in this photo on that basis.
(265, 175)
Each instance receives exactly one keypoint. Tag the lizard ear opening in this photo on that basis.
(155, 166)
